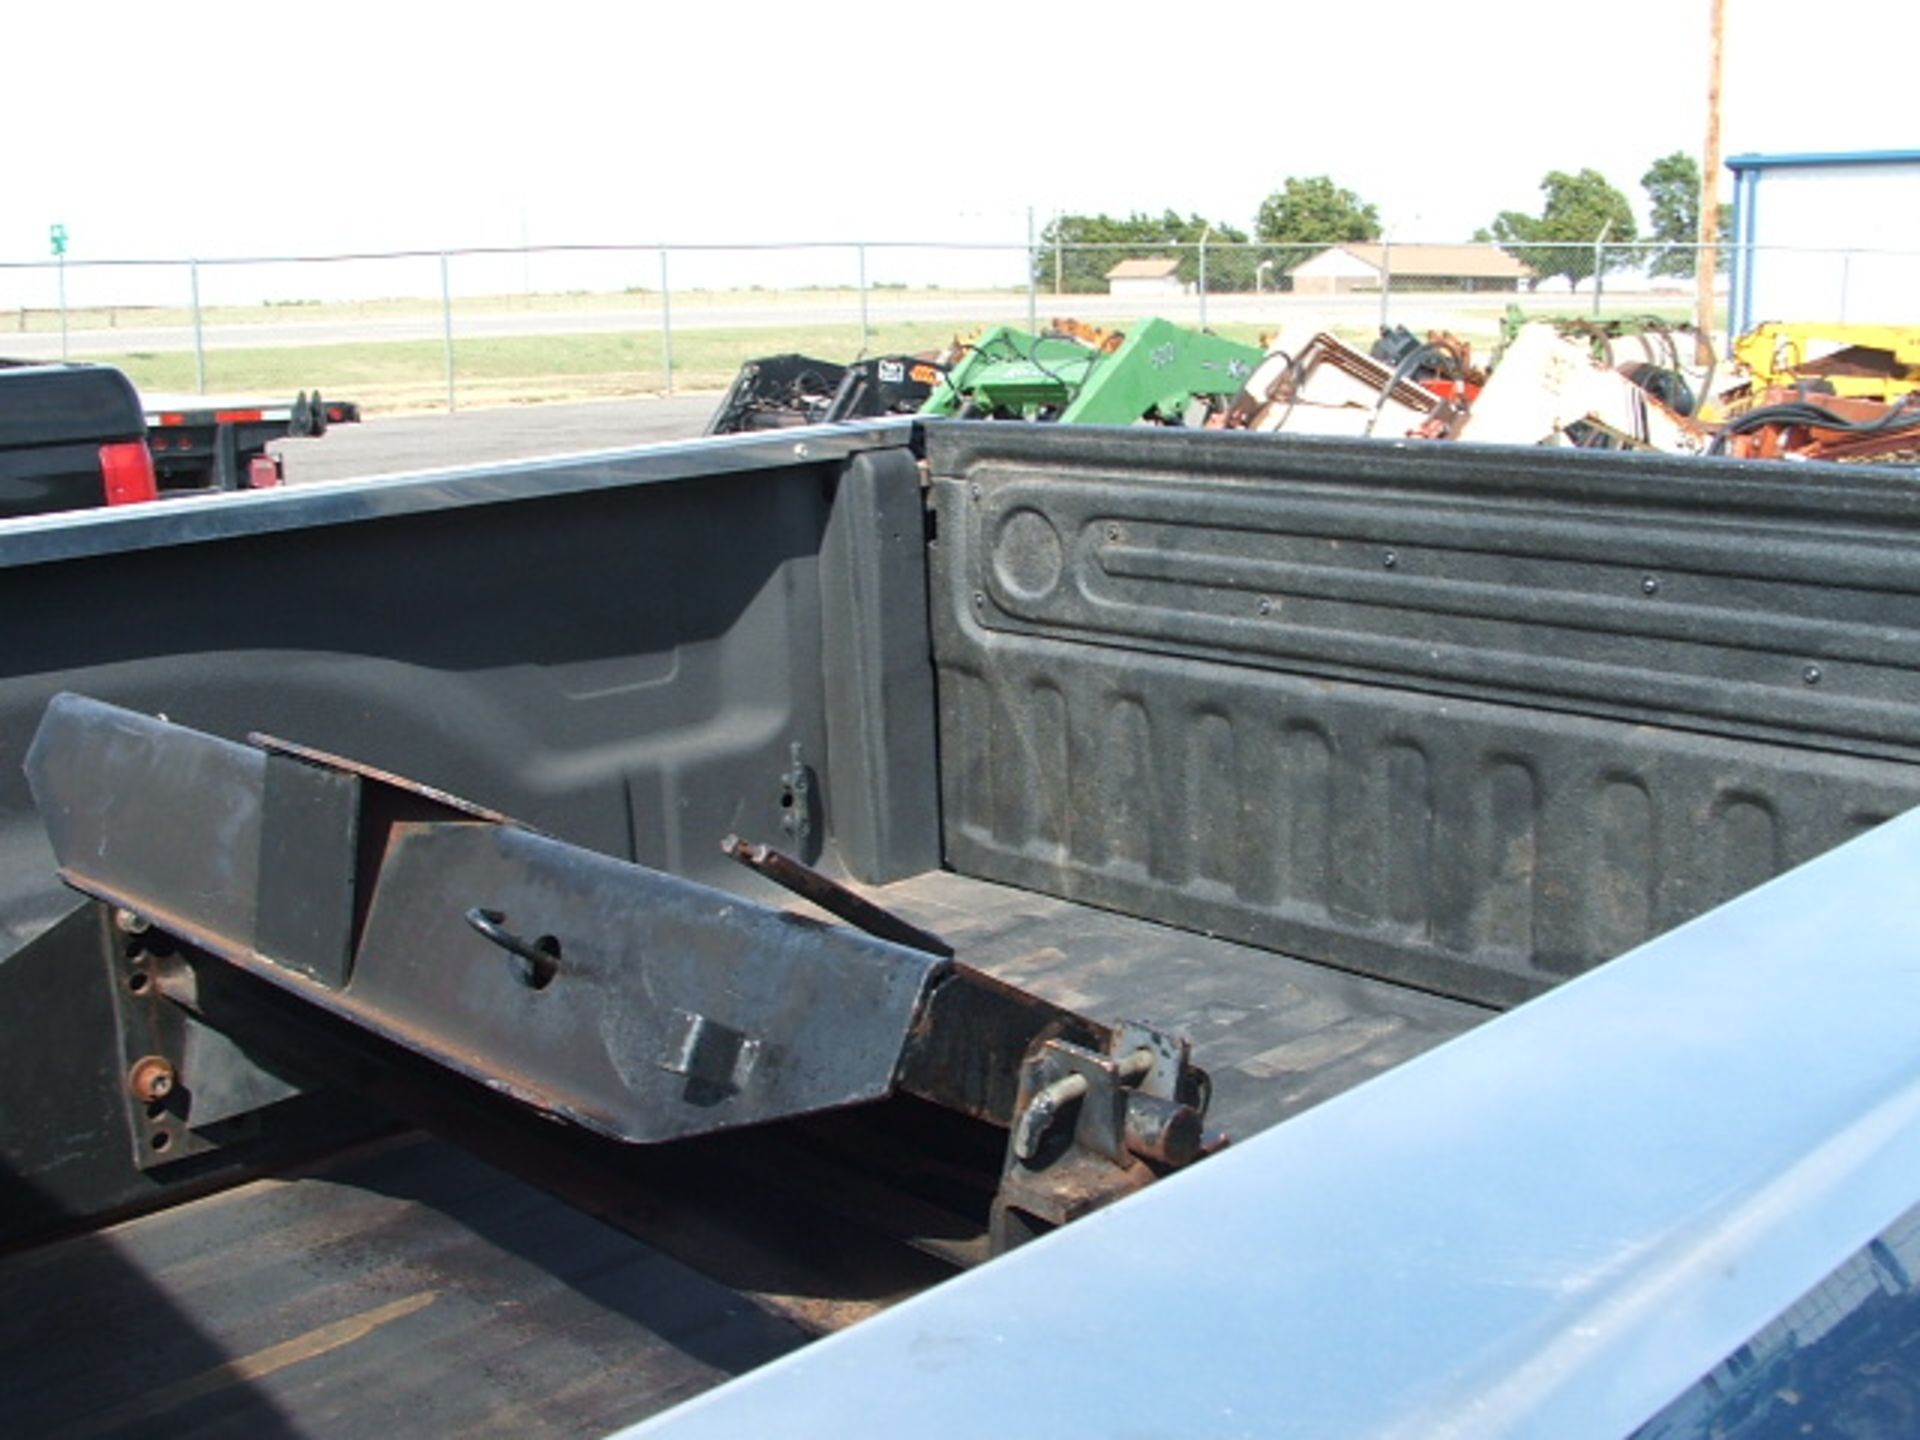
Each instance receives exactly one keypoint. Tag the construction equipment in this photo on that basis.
(1646, 349)
(1330, 388)
(1857, 362)
(779, 391)
(1781, 422)
(1155, 373)
(1551, 389)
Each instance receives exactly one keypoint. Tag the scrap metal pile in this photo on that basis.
(1808, 392)
(1790, 391)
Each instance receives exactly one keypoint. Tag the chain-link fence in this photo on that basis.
(421, 329)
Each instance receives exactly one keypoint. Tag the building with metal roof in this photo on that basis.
(1156, 275)
(1339, 269)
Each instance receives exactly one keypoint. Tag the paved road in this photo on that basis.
(1417, 311)
(477, 437)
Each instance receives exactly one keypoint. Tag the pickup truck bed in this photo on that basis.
(403, 1288)
(1319, 753)
(409, 1283)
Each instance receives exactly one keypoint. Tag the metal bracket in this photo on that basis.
(184, 829)
(796, 800)
(1093, 1125)
(188, 1088)
(633, 1004)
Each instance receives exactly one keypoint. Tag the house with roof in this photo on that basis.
(1342, 269)
(1158, 275)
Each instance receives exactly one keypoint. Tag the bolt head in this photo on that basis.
(151, 1078)
(1266, 607)
(1650, 585)
(1811, 674)
(1390, 559)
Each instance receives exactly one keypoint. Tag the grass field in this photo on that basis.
(396, 376)
(400, 376)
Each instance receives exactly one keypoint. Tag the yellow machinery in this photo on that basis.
(1867, 362)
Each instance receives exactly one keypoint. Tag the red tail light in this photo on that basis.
(127, 469)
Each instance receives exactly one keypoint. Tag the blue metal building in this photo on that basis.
(1826, 236)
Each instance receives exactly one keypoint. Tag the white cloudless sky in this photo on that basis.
(226, 129)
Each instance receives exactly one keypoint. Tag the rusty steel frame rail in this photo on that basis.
(633, 1004)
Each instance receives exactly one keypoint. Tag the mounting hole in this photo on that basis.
(540, 972)
(160, 1141)
(139, 981)
(786, 799)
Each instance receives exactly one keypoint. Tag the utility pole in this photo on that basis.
(1706, 258)
(1599, 263)
(1204, 234)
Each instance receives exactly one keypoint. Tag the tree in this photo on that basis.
(1577, 211)
(1315, 211)
(1672, 184)
(1068, 241)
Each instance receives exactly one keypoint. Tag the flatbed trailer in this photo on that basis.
(202, 442)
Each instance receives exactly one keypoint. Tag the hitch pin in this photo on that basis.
(535, 964)
(1045, 1107)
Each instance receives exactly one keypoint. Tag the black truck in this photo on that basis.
(71, 437)
(1330, 937)
(79, 436)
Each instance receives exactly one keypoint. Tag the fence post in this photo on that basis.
(1033, 297)
(446, 325)
(866, 331)
(1598, 268)
(62, 257)
(666, 319)
(199, 346)
(1203, 275)
(1386, 275)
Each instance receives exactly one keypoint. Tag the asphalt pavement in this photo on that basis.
(476, 437)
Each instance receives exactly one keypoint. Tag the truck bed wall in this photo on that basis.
(1467, 719)
(622, 651)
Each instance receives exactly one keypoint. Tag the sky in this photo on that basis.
(222, 130)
